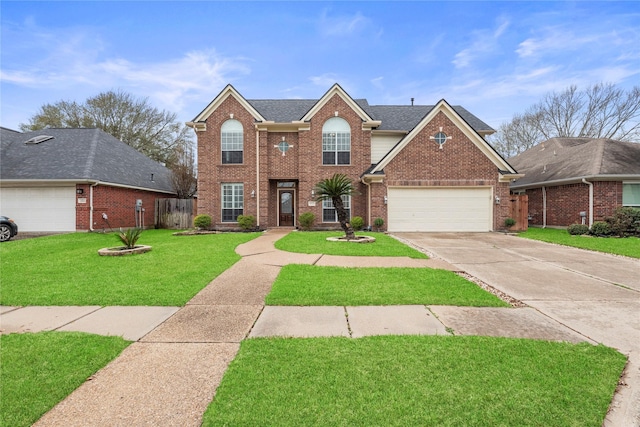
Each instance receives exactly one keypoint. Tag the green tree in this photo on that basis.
(333, 189)
(153, 132)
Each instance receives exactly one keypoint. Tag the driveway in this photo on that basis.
(596, 295)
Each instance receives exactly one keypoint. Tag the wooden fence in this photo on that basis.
(174, 213)
(520, 211)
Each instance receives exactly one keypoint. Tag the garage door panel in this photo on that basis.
(40, 209)
(440, 209)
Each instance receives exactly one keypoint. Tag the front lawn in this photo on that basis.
(67, 270)
(628, 246)
(416, 381)
(315, 242)
(39, 370)
(309, 285)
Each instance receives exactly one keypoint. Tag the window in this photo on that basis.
(231, 139)
(329, 213)
(232, 202)
(631, 194)
(336, 142)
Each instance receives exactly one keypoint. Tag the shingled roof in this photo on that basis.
(567, 160)
(81, 155)
(393, 117)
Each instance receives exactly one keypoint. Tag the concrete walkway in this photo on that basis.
(170, 374)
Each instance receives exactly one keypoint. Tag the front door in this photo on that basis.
(286, 208)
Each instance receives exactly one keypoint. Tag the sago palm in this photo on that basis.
(333, 189)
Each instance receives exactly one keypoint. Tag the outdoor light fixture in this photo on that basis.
(385, 200)
(79, 191)
(313, 193)
(253, 193)
(497, 200)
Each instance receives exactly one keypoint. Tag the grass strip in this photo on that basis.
(307, 285)
(67, 270)
(628, 246)
(315, 242)
(416, 380)
(39, 370)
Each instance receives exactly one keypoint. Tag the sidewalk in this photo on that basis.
(170, 374)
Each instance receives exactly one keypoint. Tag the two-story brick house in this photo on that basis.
(419, 168)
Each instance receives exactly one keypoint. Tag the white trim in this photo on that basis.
(13, 183)
(199, 125)
(367, 121)
(575, 180)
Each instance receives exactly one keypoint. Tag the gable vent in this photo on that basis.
(38, 139)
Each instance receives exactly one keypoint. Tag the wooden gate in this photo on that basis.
(519, 208)
(174, 213)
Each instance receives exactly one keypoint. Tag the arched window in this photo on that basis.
(336, 142)
(232, 142)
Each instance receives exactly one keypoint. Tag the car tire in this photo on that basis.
(5, 233)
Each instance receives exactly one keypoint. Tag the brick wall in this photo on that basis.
(458, 164)
(119, 205)
(565, 202)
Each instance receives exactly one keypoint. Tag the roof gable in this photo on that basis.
(198, 123)
(337, 90)
(503, 166)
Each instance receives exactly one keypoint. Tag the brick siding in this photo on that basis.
(565, 202)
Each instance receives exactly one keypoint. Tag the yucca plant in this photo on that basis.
(129, 237)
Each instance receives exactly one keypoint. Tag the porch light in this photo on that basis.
(497, 200)
(385, 200)
(253, 193)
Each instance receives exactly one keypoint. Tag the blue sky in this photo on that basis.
(494, 58)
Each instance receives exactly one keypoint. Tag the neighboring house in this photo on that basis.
(66, 179)
(578, 180)
(419, 168)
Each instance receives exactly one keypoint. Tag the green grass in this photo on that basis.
(39, 370)
(629, 246)
(340, 286)
(67, 270)
(416, 381)
(315, 242)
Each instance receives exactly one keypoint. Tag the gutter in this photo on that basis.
(544, 207)
(258, 178)
(91, 204)
(590, 184)
(575, 180)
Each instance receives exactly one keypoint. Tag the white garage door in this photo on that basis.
(40, 209)
(440, 209)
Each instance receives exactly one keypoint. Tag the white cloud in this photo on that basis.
(342, 25)
(484, 41)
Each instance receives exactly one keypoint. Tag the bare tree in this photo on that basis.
(134, 121)
(600, 111)
(183, 172)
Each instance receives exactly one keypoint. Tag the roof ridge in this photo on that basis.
(93, 146)
(598, 157)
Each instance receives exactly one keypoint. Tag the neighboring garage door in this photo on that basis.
(40, 208)
(440, 209)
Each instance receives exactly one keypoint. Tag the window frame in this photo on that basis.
(232, 201)
(327, 204)
(630, 193)
(230, 140)
(336, 142)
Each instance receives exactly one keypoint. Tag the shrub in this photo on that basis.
(600, 228)
(247, 222)
(578, 229)
(202, 221)
(509, 222)
(625, 222)
(306, 220)
(357, 223)
(129, 237)
(378, 222)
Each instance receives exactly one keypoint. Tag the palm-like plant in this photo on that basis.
(333, 189)
(129, 237)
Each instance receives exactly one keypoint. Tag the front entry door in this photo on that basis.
(286, 208)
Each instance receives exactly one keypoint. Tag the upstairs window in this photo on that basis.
(336, 142)
(329, 213)
(232, 142)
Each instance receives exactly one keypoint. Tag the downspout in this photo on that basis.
(368, 200)
(590, 184)
(544, 207)
(257, 178)
(91, 205)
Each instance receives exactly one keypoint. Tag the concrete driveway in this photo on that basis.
(596, 295)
